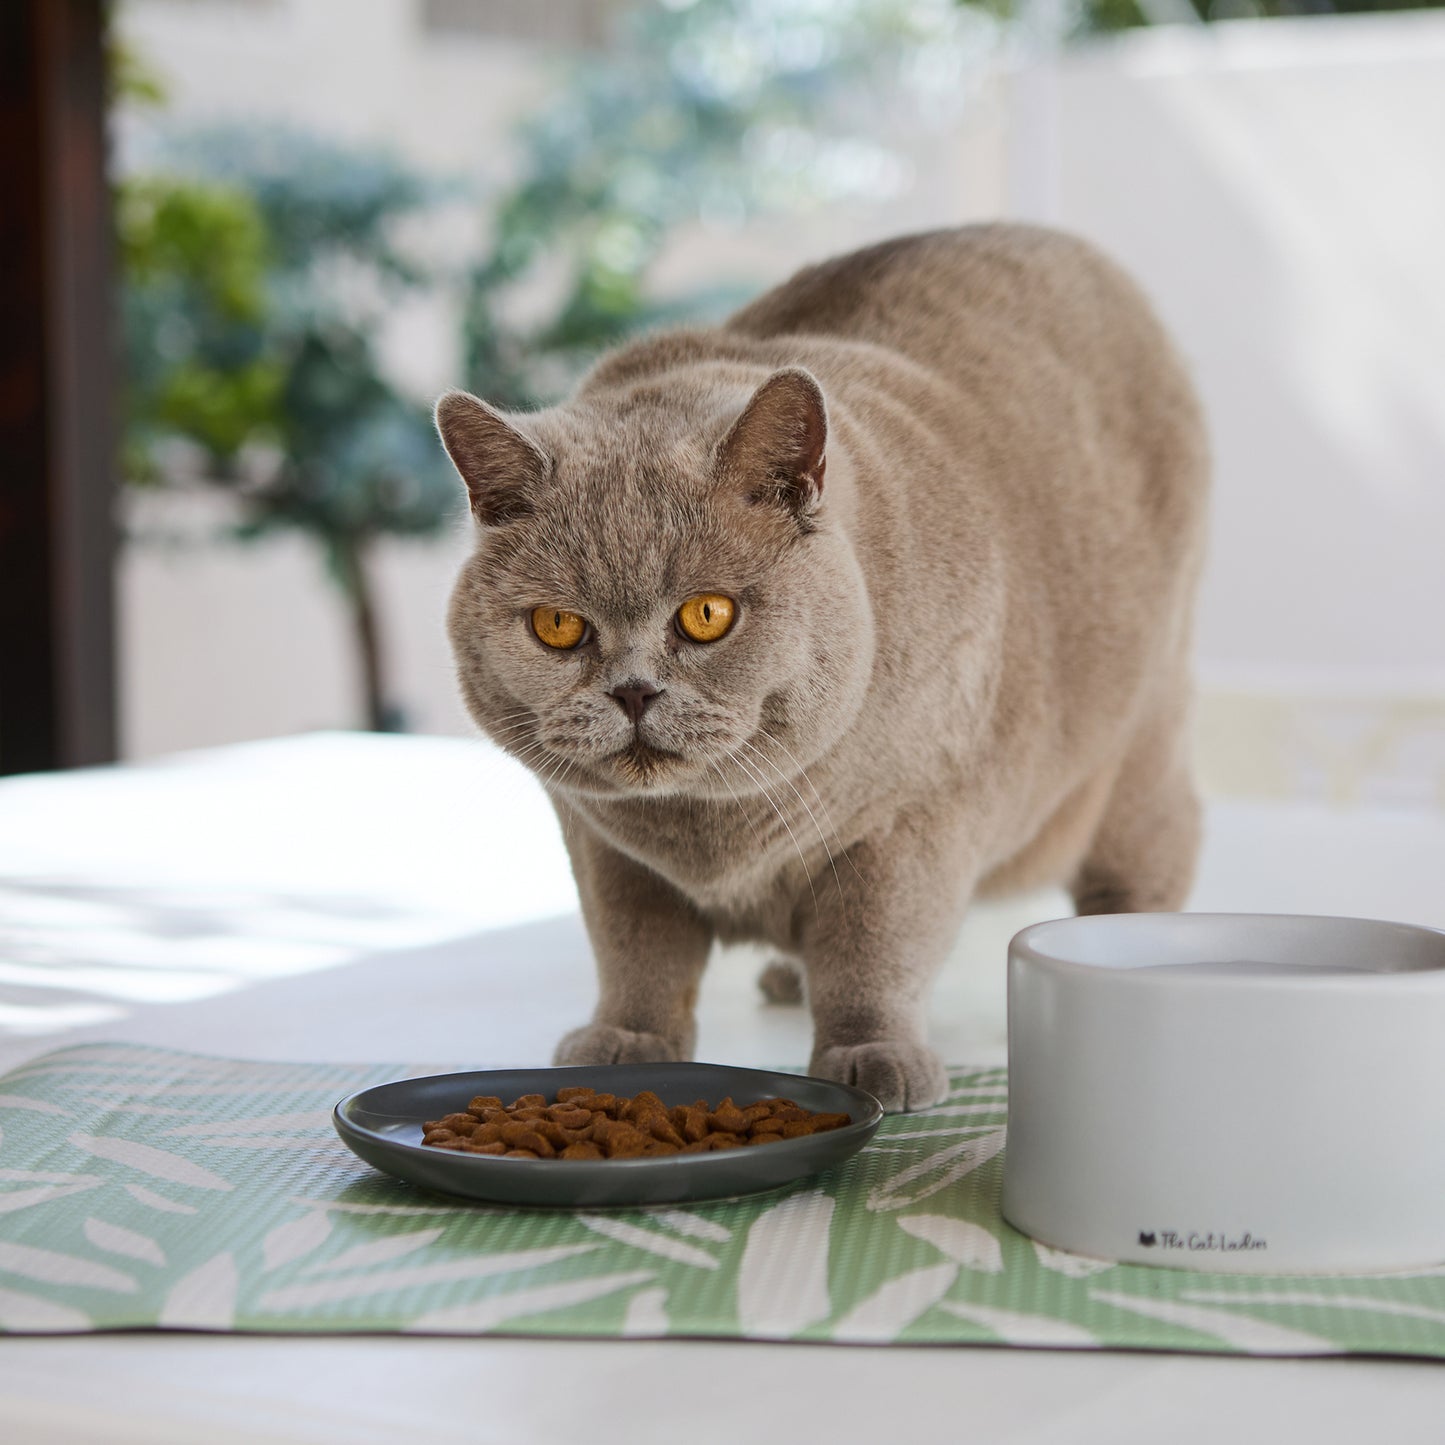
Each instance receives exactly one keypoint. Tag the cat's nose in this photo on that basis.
(633, 698)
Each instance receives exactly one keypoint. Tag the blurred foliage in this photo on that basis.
(1103, 16)
(258, 268)
(707, 111)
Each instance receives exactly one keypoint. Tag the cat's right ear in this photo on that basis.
(501, 466)
(776, 450)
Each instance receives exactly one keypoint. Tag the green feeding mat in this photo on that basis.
(141, 1188)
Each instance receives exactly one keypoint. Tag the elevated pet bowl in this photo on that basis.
(1245, 1093)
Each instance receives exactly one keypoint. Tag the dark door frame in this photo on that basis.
(57, 390)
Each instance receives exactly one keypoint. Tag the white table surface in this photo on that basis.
(329, 896)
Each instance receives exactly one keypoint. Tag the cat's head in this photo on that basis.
(658, 602)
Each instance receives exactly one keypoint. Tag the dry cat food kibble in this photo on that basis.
(583, 1124)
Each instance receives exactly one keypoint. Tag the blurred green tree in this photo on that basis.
(251, 304)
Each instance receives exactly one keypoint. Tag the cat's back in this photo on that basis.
(930, 295)
(1020, 345)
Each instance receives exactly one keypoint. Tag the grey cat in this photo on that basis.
(817, 624)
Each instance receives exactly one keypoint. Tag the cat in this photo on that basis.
(818, 623)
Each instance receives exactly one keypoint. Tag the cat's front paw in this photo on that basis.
(900, 1075)
(607, 1044)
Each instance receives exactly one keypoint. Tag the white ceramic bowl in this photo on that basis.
(1249, 1093)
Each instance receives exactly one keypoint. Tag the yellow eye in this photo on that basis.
(706, 617)
(557, 628)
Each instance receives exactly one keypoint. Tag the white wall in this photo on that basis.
(1277, 187)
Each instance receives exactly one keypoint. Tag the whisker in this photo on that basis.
(822, 802)
(762, 783)
(516, 727)
(822, 838)
(747, 817)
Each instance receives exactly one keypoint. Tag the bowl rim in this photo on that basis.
(1030, 946)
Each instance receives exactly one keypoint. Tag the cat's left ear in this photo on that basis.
(776, 450)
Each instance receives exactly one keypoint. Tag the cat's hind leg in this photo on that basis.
(1143, 854)
(781, 981)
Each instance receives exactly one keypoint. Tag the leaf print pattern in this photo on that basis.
(444, 1272)
(295, 1238)
(51, 1266)
(649, 1240)
(19, 1311)
(935, 1172)
(783, 1277)
(1014, 1328)
(970, 1245)
(117, 1239)
(1243, 1331)
(488, 1313)
(378, 1251)
(893, 1306)
(646, 1314)
(204, 1299)
(152, 1200)
(160, 1163)
(683, 1221)
(1075, 1266)
(213, 1194)
(13, 1199)
(35, 1106)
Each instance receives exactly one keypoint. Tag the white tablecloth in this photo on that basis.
(352, 897)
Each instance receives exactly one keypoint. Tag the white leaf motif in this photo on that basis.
(1324, 1302)
(204, 1299)
(893, 1306)
(294, 1238)
(970, 1245)
(51, 1267)
(683, 1221)
(947, 1166)
(36, 1106)
(302, 1296)
(646, 1314)
(439, 1208)
(378, 1251)
(116, 1239)
(148, 1197)
(783, 1277)
(19, 1311)
(1075, 1266)
(309, 1119)
(14, 1199)
(649, 1240)
(954, 1111)
(48, 1176)
(1243, 1331)
(1020, 1329)
(484, 1313)
(158, 1163)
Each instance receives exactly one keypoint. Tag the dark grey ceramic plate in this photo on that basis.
(383, 1125)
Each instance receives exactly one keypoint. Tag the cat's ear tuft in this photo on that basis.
(501, 466)
(776, 450)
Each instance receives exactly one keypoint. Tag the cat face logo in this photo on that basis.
(1146, 1238)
